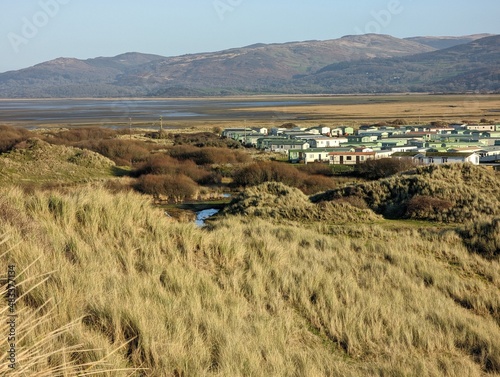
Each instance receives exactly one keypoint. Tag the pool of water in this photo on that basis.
(201, 216)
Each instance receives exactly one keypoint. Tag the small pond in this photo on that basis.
(201, 216)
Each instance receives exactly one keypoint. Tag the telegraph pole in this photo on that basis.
(130, 127)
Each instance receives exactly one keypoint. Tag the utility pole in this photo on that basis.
(130, 127)
(161, 126)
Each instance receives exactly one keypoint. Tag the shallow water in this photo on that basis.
(201, 216)
(108, 110)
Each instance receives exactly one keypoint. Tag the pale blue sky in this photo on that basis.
(33, 31)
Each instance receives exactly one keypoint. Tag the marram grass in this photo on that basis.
(113, 283)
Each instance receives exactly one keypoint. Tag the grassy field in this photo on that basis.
(412, 108)
(110, 286)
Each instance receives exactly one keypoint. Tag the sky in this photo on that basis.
(34, 31)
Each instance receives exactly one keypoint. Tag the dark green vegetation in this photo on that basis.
(352, 64)
(449, 193)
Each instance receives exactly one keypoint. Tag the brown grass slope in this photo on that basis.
(447, 193)
(247, 298)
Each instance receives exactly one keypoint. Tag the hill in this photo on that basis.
(69, 77)
(463, 68)
(108, 284)
(351, 64)
(259, 68)
(249, 69)
(440, 43)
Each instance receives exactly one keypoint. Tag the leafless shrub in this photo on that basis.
(385, 167)
(427, 207)
(175, 188)
(208, 155)
(10, 136)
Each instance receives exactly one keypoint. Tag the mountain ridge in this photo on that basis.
(260, 68)
(466, 67)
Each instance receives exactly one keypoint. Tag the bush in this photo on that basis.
(122, 152)
(81, 134)
(208, 155)
(427, 207)
(316, 183)
(158, 165)
(317, 169)
(10, 136)
(264, 171)
(206, 139)
(175, 188)
(385, 167)
(166, 165)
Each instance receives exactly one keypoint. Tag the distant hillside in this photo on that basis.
(440, 43)
(351, 64)
(261, 68)
(470, 67)
(256, 68)
(67, 77)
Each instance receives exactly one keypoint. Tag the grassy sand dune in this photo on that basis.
(276, 202)
(449, 193)
(36, 162)
(247, 298)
